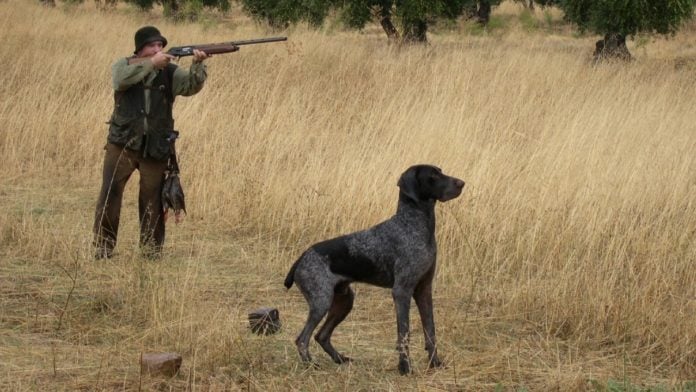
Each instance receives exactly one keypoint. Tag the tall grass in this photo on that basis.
(569, 257)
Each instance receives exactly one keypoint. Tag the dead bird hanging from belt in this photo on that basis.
(172, 191)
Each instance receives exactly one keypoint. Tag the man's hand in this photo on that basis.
(161, 59)
(199, 56)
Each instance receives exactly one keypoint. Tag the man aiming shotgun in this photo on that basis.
(141, 135)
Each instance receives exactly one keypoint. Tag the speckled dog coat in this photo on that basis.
(399, 253)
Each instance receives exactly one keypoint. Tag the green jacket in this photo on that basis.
(143, 100)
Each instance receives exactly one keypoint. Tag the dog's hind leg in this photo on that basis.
(340, 307)
(319, 305)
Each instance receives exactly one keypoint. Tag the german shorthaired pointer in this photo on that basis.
(398, 253)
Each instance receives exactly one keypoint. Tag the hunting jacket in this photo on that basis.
(143, 100)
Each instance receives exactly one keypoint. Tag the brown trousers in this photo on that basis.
(119, 164)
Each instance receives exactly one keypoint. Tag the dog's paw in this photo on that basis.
(435, 362)
(404, 367)
(341, 359)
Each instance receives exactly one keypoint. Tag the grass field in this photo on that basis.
(567, 264)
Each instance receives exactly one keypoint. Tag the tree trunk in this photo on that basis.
(613, 46)
(483, 15)
(415, 31)
(388, 26)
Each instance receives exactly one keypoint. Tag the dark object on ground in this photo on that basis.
(166, 364)
(264, 321)
(399, 254)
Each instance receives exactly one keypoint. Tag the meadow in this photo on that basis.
(567, 264)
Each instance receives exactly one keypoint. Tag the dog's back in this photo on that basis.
(371, 256)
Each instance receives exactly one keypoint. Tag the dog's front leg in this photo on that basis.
(402, 301)
(424, 300)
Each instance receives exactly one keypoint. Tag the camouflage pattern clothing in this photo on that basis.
(142, 117)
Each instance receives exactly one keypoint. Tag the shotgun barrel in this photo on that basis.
(222, 47)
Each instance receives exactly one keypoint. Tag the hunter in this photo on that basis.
(141, 134)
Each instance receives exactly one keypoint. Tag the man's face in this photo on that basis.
(151, 49)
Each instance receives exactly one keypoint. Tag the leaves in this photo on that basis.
(628, 17)
(175, 5)
(413, 16)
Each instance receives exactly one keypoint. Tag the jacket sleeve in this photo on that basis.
(189, 81)
(124, 75)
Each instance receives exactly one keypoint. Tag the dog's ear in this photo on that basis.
(408, 183)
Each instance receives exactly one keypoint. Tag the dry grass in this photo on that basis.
(569, 258)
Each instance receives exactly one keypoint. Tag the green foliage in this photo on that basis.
(528, 21)
(499, 387)
(142, 4)
(190, 8)
(281, 13)
(413, 16)
(357, 13)
(548, 18)
(628, 17)
(642, 41)
(626, 386)
(546, 3)
(495, 23)
(178, 9)
(222, 5)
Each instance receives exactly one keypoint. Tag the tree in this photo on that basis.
(529, 4)
(618, 19)
(412, 16)
(188, 9)
(480, 10)
(105, 4)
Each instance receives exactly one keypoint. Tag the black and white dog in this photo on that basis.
(398, 253)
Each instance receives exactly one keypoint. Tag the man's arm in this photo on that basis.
(124, 75)
(190, 82)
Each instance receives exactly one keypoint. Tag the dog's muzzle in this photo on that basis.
(454, 189)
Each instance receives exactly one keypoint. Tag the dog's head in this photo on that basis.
(427, 182)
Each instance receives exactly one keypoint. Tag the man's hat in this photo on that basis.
(148, 34)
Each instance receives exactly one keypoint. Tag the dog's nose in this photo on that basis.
(459, 183)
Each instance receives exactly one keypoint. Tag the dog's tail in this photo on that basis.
(290, 279)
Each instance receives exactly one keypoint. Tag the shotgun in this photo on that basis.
(222, 47)
(210, 49)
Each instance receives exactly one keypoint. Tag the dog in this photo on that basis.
(399, 253)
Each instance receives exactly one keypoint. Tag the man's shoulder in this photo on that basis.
(121, 61)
